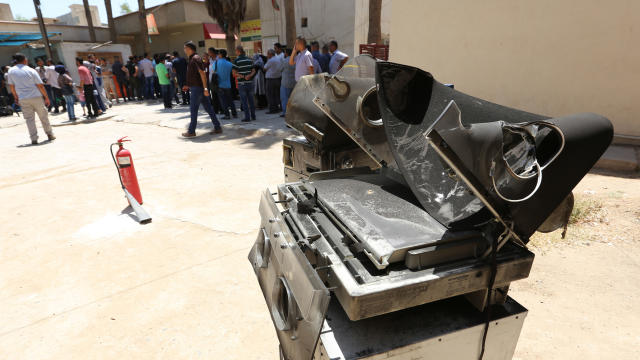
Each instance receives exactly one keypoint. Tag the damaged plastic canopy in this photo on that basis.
(493, 161)
(350, 99)
(517, 161)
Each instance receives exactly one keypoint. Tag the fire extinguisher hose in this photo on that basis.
(116, 164)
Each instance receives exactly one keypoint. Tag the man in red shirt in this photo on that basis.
(86, 83)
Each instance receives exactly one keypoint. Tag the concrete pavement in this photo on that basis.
(81, 279)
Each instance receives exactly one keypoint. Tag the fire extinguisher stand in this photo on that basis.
(127, 164)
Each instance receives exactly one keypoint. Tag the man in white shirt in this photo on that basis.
(147, 69)
(338, 58)
(273, 74)
(52, 79)
(302, 59)
(28, 93)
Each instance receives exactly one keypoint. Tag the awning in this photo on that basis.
(214, 31)
(21, 38)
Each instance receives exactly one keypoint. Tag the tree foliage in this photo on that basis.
(124, 8)
(228, 13)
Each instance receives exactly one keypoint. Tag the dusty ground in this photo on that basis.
(79, 279)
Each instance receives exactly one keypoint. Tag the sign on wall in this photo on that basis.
(250, 30)
(151, 25)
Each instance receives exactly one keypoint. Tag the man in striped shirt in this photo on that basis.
(244, 72)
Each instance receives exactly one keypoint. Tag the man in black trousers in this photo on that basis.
(180, 68)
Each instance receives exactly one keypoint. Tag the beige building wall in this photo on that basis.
(552, 57)
(5, 12)
(177, 21)
(326, 20)
(361, 26)
(77, 15)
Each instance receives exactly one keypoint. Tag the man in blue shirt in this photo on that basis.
(322, 60)
(28, 92)
(223, 69)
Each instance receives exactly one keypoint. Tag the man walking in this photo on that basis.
(273, 69)
(196, 83)
(223, 70)
(28, 92)
(243, 67)
(147, 70)
(338, 58)
(86, 84)
(302, 59)
(180, 67)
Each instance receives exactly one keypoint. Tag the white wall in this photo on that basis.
(67, 52)
(327, 20)
(552, 57)
(361, 25)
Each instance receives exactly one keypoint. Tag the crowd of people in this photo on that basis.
(211, 79)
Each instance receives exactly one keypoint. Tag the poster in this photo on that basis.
(151, 25)
(250, 30)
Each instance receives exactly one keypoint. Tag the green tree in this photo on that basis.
(228, 14)
(124, 8)
(21, 18)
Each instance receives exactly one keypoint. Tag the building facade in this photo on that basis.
(177, 21)
(552, 57)
(347, 22)
(67, 41)
(77, 16)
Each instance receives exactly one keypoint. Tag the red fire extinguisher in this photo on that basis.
(126, 170)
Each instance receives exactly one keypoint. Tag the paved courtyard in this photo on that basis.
(80, 279)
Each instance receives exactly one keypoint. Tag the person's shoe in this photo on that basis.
(226, 117)
(273, 112)
(34, 142)
(56, 112)
(245, 120)
(235, 116)
(216, 131)
(253, 118)
(281, 115)
(188, 134)
(51, 137)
